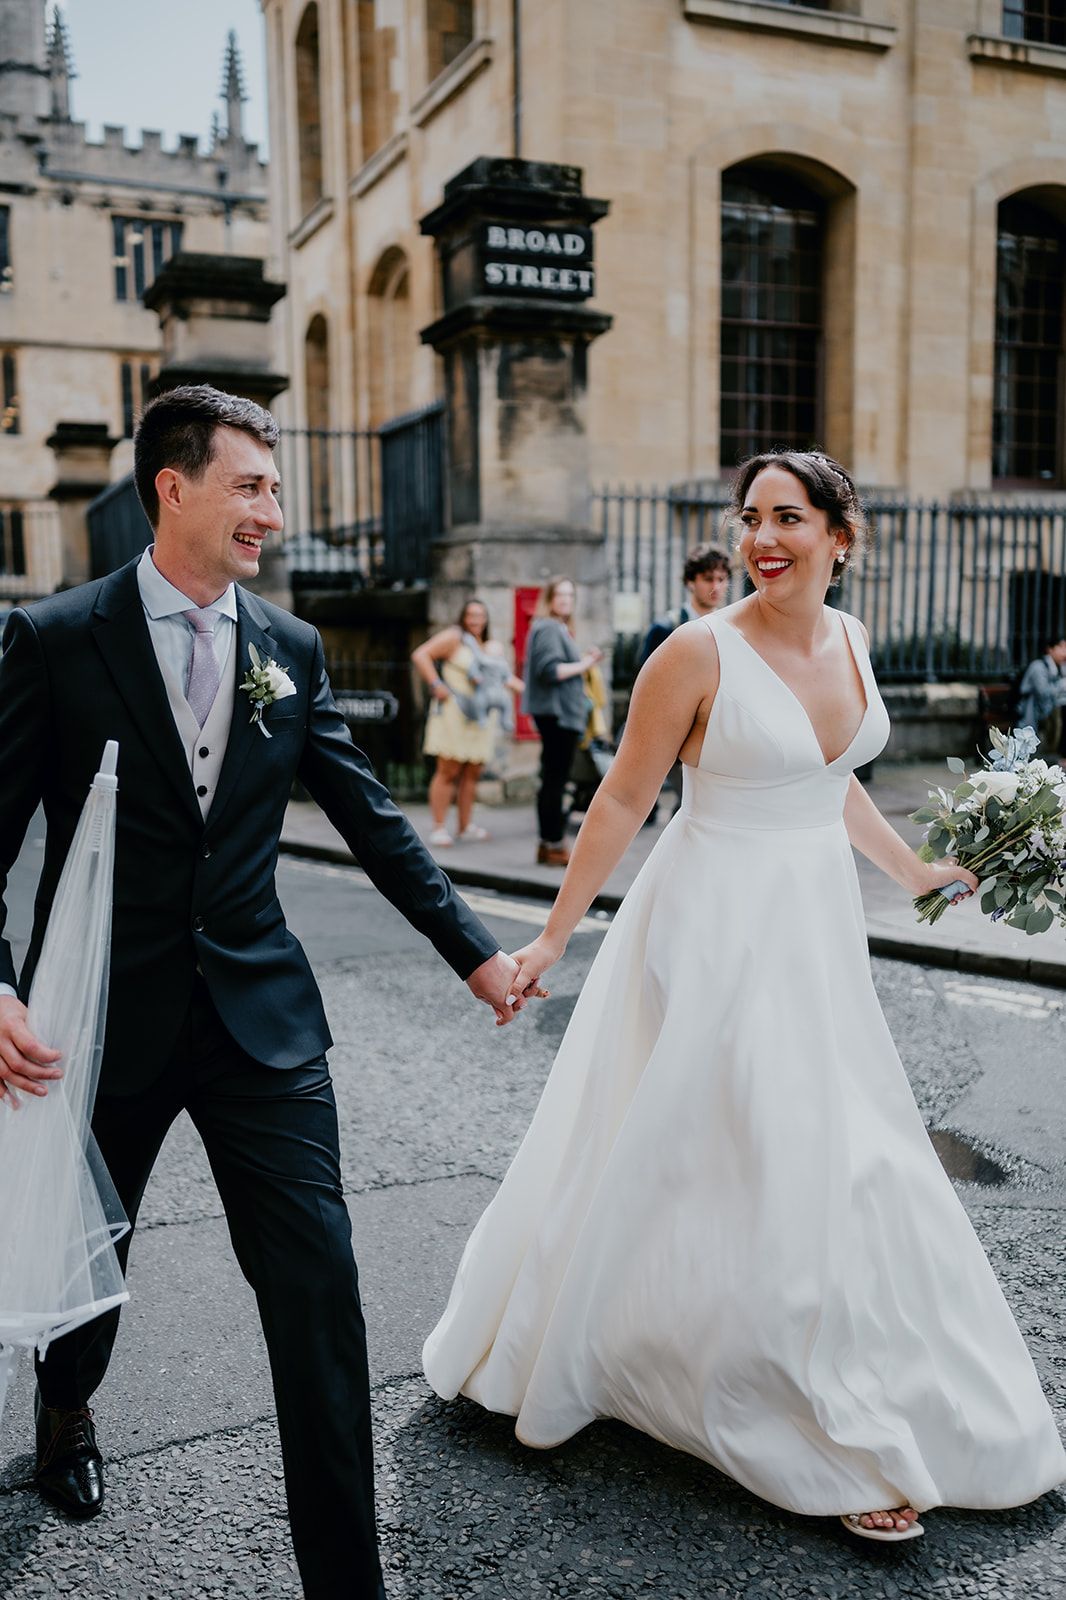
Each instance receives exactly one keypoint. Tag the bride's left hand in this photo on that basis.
(939, 873)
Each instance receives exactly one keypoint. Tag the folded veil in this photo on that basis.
(61, 1216)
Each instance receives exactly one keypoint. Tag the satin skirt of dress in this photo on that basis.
(727, 1226)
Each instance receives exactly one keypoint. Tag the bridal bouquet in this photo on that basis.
(1007, 824)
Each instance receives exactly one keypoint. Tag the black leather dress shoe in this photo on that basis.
(70, 1468)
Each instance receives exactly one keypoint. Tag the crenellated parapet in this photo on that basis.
(40, 141)
(36, 148)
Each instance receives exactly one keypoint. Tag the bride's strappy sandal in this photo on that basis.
(882, 1535)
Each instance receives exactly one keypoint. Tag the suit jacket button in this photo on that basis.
(204, 752)
(198, 925)
(201, 789)
(206, 852)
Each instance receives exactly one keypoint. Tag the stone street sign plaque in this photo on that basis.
(368, 705)
(550, 263)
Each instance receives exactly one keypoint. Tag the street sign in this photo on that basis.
(368, 705)
(549, 262)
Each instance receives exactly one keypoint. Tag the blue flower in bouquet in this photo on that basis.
(1012, 750)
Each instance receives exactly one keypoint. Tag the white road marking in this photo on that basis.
(486, 905)
(1012, 1002)
(526, 911)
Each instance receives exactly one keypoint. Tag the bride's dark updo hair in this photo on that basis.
(829, 488)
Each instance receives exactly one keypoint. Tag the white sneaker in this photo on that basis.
(440, 837)
(474, 835)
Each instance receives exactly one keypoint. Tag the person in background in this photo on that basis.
(706, 576)
(467, 675)
(556, 700)
(1040, 696)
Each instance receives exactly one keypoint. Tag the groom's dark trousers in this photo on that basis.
(213, 1008)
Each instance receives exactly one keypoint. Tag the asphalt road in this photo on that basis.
(433, 1101)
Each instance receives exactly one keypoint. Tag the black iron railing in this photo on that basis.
(383, 710)
(948, 592)
(31, 551)
(363, 507)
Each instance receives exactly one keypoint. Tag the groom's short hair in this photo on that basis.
(177, 430)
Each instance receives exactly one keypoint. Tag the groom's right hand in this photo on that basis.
(26, 1065)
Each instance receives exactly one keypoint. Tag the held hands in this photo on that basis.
(496, 983)
(26, 1065)
(533, 962)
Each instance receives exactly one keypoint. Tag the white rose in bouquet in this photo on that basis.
(1001, 786)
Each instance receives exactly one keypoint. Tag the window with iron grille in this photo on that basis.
(140, 248)
(6, 270)
(1039, 21)
(1027, 395)
(9, 416)
(134, 379)
(12, 542)
(771, 318)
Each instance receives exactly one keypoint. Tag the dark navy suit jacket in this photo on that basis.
(79, 669)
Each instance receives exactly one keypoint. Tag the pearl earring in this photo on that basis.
(842, 555)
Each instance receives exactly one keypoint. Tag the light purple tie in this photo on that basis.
(204, 675)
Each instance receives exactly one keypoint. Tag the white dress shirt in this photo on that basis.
(171, 635)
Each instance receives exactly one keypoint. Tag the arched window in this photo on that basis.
(378, 44)
(392, 338)
(1027, 422)
(319, 441)
(309, 109)
(1039, 21)
(773, 234)
(449, 29)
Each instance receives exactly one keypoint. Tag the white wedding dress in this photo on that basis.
(726, 1225)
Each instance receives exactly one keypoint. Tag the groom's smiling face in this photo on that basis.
(216, 524)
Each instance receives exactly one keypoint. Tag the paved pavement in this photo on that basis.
(964, 938)
(432, 1102)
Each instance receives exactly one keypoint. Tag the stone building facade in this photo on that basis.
(844, 224)
(84, 228)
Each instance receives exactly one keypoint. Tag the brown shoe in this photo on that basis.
(552, 855)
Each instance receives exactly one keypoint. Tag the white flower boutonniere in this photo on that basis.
(264, 683)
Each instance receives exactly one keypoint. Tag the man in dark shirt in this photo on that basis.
(706, 578)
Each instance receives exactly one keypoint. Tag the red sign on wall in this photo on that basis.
(525, 604)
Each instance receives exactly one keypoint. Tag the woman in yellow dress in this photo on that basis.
(468, 678)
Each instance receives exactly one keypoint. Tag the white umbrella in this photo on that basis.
(61, 1215)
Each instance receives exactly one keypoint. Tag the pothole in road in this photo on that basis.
(965, 1161)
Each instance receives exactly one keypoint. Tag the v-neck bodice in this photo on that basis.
(761, 764)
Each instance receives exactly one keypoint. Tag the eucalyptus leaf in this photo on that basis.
(955, 765)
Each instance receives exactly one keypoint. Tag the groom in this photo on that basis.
(213, 1008)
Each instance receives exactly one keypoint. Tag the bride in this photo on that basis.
(726, 1225)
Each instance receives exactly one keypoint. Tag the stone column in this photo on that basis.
(83, 454)
(515, 252)
(214, 313)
